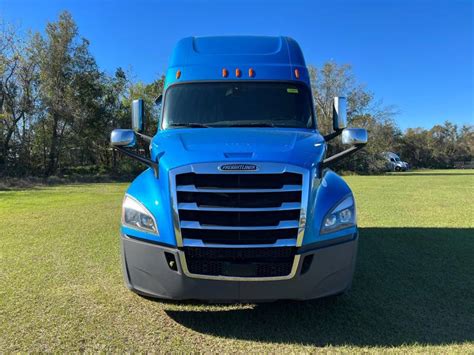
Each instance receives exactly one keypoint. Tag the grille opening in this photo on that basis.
(239, 236)
(224, 203)
(247, 254)
(265, 181)
(250, 219)
(260, 199)
(243, 262)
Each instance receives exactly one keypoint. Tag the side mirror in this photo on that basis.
(339, 113)
(354, 136)
(122, 138)
(137, 115)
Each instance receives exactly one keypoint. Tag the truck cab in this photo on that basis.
(238, 202)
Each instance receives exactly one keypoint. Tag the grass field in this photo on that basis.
(61, 286)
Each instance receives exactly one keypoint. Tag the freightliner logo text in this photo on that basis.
(240, 167)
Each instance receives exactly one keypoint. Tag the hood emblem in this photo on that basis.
(238, 167)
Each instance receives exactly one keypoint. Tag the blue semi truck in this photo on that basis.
(239, 202)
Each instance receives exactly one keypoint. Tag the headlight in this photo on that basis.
(135, 215)
(340, 217)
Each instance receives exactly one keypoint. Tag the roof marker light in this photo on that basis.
(238, 73)
(178, 74)
(251, 72)
(297, 73)
(225, 72)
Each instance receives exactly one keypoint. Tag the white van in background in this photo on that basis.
(394, 163)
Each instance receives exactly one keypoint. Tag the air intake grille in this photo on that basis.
(242, 262)
(239, 208)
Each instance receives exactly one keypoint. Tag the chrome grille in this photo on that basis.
(224, 204)
(234, 210)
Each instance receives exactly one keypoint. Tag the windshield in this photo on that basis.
(238, 104)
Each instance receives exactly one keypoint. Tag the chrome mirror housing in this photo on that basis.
(122, 138)
(339, 113)
(354, 136)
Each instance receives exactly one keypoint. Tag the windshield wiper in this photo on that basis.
(250, 124)
(190, 124)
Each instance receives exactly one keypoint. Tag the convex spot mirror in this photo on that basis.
(354, 136)
(122, 138)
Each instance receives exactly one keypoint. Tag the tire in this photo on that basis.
(397, 168)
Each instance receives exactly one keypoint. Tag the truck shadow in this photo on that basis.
(418, 174)
(412, 285)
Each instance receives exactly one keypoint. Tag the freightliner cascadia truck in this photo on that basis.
(238, 202)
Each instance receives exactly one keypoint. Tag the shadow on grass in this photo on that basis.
(429, 174)
(412, 285)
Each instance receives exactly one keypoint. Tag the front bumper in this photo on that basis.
(147, 272)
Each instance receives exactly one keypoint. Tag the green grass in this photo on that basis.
(61, 286)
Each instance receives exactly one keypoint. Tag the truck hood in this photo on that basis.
(178, 147)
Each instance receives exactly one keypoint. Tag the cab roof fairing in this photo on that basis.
(203, 58)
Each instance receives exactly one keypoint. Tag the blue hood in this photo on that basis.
(178, 147)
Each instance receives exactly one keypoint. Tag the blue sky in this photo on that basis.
(417, 55)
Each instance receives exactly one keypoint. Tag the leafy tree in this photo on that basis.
(363, 111)
(70, 91)
(439, 147)
(18, 90)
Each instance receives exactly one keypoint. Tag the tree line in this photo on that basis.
(57, 109)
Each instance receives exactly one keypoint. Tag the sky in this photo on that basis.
(414, 54)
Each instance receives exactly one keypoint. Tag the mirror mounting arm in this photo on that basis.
(332, 135)
(336, 157)
(141, 159)
(144, 137)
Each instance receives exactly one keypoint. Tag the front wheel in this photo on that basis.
(397, 168)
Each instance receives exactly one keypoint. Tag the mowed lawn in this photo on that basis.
(61, 286)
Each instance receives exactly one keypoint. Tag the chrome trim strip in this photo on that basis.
(264, 167)
(197, 225)
(192, 188)
(194, 207)
(290, 242)
(184, 267)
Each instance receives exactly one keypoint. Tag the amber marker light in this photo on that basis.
(238, 73)
(178, 74)
(297, 73)
(225, 72)
(251, 72)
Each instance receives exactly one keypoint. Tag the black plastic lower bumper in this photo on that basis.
(323, 271)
